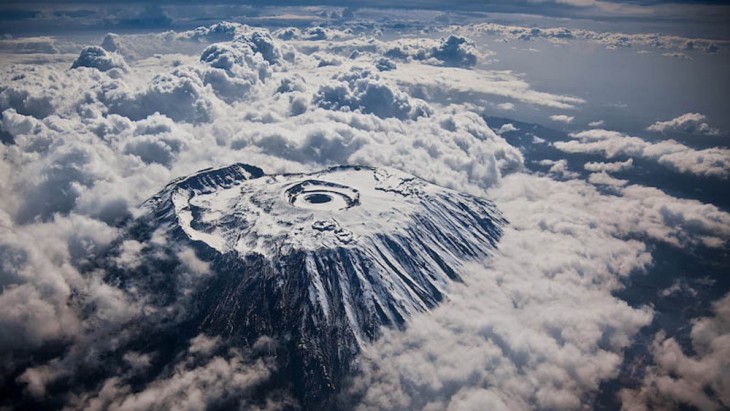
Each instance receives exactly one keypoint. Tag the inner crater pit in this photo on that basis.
(318, 198)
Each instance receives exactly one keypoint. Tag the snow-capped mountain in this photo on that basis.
(319, 261)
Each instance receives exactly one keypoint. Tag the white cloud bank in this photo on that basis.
(205, 378)
(710, 162)
(607, 39)
(699, 380)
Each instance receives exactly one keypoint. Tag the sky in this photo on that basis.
(598, 129)
(706, 17)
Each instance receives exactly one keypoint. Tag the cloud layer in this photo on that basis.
(699, 380)
(709, 162)
(87, 137)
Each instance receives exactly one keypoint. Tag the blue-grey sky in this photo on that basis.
(706, 18)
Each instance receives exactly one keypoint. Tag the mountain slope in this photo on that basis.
(318, 261)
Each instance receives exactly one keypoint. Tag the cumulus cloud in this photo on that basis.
(385, 64)
(234, 70)
(452, 51)
(179, 95)
(506, 128)
(28, 101)
(559, 168)
(609, 167)
(100, 59)
(455, 50)
(709, 162)
(362, 90)
(699, 380)
(59, 180)
(200, 381)
(115, 43)
(562, 118)
(154, 140)
(218, 32)
(39, 274)
(603, 178)
(597, 123)
(690, 123)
